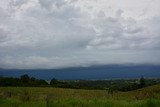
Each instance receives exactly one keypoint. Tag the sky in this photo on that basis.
(73, 33)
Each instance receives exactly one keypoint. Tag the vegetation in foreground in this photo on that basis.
(58, 97)
(31, 92)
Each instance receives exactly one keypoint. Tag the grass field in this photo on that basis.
(58, 97)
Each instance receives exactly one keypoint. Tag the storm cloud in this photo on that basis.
(69, 33)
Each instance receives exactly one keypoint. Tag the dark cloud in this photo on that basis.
(63, 33)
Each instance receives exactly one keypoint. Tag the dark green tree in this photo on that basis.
(25, 78)
(142, 82)
(54, 82)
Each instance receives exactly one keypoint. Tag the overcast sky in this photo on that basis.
(69, 33)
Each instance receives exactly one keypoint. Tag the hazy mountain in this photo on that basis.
(92, 72)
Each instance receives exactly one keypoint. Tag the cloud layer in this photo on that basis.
(68, 33)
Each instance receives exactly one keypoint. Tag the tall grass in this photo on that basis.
(81, 103)
(57, 97)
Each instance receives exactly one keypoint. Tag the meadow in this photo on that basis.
(59, 97)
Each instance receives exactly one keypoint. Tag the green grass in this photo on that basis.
(81, 103)
(58, 97)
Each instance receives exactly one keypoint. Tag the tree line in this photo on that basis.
(118, 85)
(23, 81)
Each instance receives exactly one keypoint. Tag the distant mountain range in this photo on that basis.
(93, 72)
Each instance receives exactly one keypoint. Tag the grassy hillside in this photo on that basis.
(58, 97)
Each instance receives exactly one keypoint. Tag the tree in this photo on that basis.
(25, 78)
(142, 82)
(54, 81)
